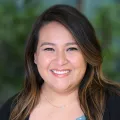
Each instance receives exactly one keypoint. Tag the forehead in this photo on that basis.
(55, 32)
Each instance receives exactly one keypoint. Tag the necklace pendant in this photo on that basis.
(62, 107)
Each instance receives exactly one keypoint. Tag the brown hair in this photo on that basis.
(93, 88)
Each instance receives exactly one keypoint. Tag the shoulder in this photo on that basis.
(6, 108)
(113, 106)
(114, 103)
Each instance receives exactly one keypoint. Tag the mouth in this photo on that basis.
(61, 73)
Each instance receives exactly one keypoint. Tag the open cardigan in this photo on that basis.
(112, 108)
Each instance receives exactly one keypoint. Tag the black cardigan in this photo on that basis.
(112, 111)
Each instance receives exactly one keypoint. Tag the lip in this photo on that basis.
(61, 69)
(60, 75)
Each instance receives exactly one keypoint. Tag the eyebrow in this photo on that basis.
(67, 44)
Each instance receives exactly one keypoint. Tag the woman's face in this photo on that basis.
(58, 58)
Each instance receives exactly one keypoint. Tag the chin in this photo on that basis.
(60, 88)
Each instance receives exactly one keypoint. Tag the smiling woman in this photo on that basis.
(58, 58)
(63, 74)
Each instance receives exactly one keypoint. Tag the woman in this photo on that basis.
(63, 74)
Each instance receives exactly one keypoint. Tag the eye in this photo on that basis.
(72, 49)
(48, 49)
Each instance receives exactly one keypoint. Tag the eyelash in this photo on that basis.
(48, 49)
(72, 48)
(51, 49)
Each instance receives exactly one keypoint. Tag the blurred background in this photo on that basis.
(16, 19)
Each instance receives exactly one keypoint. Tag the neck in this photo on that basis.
(59, 98)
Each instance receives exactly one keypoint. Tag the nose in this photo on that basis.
(61, 58)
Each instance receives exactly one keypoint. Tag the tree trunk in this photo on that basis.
(79, 4)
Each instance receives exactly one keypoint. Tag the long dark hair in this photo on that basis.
(93, 87)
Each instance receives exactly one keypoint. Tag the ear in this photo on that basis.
(35, 58)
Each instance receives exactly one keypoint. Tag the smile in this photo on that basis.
(61, 73)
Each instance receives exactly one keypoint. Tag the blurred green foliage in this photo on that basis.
(15, 24)
(107, 24)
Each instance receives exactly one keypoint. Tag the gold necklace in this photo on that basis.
(61, 107)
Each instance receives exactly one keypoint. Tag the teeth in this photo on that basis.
(60, 72)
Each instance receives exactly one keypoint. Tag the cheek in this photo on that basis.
(78, 62)
(80, 66)
(43, 64)
(44, 60)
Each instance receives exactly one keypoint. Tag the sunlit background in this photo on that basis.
(16, 19)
